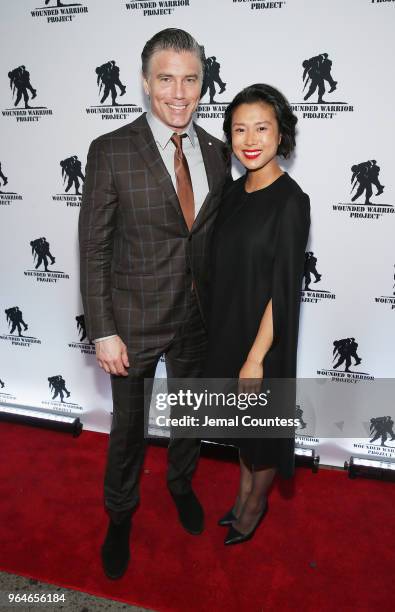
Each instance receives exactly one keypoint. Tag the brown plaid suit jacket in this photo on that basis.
(137, 257)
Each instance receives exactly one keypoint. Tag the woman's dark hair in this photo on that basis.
(267, 95)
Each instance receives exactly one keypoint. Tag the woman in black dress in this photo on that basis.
(257, 267)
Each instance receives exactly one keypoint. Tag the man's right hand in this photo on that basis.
(112, 356)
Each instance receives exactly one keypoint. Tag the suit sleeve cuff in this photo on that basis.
(105, 338)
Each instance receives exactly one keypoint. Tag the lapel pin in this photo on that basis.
(210, 143)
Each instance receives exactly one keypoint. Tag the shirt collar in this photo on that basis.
(162, 133)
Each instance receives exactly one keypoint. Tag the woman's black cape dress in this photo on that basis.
(258, 253)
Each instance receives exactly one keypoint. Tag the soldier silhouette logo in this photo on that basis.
(299, 416)
(108, 80)
(72, 172)
(81, 328)
(343, 351)
(310, 269)
(57, 384)
(20, 85)
(211, 78)
(3, 177)
(382, 427)
(41, 252)
(364, 176)
(15, 320)
(317, 71)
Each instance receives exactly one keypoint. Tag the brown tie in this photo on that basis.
(184, 183)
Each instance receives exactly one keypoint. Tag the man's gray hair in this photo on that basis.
(171, 38)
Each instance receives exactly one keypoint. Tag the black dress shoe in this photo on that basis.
(115, 550)
(236, 537)
(227, 519)
(190, 512)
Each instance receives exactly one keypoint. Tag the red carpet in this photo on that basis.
(326, 544)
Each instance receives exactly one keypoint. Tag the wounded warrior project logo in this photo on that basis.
(318, 82)
(42, 257)
(56, 11)
(388, 299)
(17, 327)
(73, 179)
(345, 353)
(58, 390)
(310, 272)
(23, 92)
(150, 8)
(212, 87)
(84, 345)
(365, 177)
(258, 6)
(6, 197)
(382, 437)
(111, 88)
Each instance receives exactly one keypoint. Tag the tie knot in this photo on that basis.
(177, 140)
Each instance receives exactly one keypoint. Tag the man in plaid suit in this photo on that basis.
(144, 265)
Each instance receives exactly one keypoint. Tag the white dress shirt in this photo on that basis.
(191, 148)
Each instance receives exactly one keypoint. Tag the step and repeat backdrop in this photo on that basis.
(71, 71)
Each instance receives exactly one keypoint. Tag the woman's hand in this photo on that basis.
(250, 377)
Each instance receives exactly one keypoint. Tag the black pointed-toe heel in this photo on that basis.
(227, 519)
(236, 537)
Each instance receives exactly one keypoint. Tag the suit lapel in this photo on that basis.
(208, 153)
(210, 160)
(149, 152)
